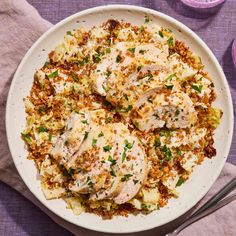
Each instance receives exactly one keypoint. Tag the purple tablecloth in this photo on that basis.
(20, 217)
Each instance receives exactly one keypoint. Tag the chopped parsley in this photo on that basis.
(169, 86)
(139, 68)
(118, 58)
(167, 152)
(124, 156)
(108, 119)
(112, 172)
(108, 41)
(170, 42)
(135, 181)
(126, 177)
(161, 34)
(113, 161)
(141, 29)
(27, 138)
(84, 121)
(50, 137)
(131, 50)
(42, 129)
(178, 152)
(86, 135)
(169, 78)
(197, 88)
(108, 73)
(66, 143)
(89, 181)
(53, 74)
(101, 134)
(128, 145)
(69, 33)
(181, 180)
(104, 88)
(142, 51)
(147, 19)
(94, 142)
(42, 109)
(86, 59)
(96, 58)
(166, 133)
(107, 148)
(177, 112)
(74, 76)
(157, 142)
(125, 110)
(81, 63)
(108, 50)
(46, 64)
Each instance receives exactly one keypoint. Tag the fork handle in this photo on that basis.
(208, 211)
(218, 196)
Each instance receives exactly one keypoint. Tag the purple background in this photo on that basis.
(20, 217)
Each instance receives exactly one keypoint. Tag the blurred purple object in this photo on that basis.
(234, 52)
(204, 6)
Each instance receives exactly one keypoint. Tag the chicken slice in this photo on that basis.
(174, 110)
(132, 164)
(69, 142)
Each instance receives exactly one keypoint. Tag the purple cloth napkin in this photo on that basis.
(17, 18)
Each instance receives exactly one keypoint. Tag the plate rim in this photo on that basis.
(145, 10)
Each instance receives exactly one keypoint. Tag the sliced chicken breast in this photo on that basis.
(174, 110)
(69, 142)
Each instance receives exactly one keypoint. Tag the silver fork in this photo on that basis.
(217, 201)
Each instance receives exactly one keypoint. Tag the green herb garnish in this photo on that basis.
(69, 33)
(169, 86)
(118, 58)
(128, 145)
(167, 152)
(101, 134)
(112, 172)
(124, 157)
(161, 34)
(46, 64)
(177, 112)
(113, 161)
(147, 19)
(126, 177)
(125, 110)
(181, 180)
(197, 88)
(27, 138)
(96, 58)
(42, 129)
(170, 42)
(94, 142)
(53, 74)
(107, 148)
(75, 77)
(157, 142)
(86, 135)
(131, 50)
(179, 152)
(108, 50)
(142, 51)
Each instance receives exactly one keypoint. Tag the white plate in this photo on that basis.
(203, 177)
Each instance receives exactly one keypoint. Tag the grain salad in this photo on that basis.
(118, 117)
